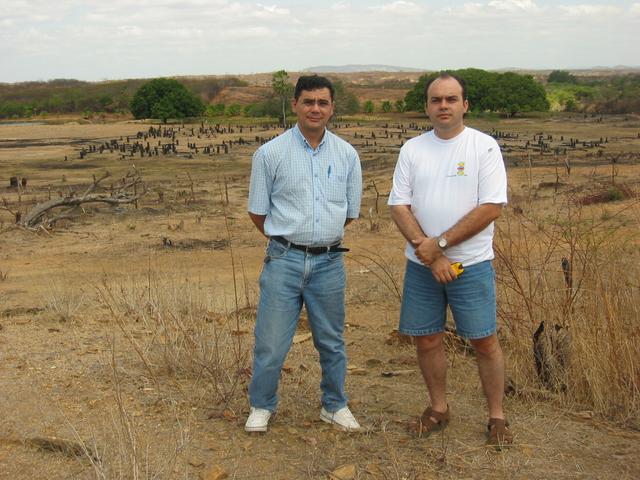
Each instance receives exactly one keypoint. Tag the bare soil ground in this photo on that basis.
(125, 335)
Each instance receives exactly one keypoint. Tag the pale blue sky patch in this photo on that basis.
(94, 40)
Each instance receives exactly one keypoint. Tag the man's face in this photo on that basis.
(314, 109)
(445, 107)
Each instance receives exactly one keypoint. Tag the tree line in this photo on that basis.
(68, 96)
(507, 93)
(594, 94)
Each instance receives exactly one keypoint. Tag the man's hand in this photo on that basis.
(258, 221)
(427, 250)
(442, 271)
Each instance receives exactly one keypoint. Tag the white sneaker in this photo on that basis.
(258, 420)
(343, 419)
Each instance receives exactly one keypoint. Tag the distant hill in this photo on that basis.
(359, 68)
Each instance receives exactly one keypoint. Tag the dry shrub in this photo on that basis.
(374, 280)
(64, 301)
(125, 446)
(610, 193)
(595, 297)
(177, 332)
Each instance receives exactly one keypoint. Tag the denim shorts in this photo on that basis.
(471, 297)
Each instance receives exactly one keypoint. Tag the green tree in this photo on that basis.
(233, 110)
(414, 99)
(386, 106)
(283, 90)
(368, 106)
(561, 76)
(513, 94)
(165, 98)
(479, 84)
(345, 101)
(400, 106)
(268, 108)
(106, 102)
(215, 110)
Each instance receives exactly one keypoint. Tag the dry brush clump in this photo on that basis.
(185, 337)
(64, 302)
(187, 352)
(125, 445)
(577, 274)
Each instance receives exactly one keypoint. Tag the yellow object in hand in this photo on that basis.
(458, 268)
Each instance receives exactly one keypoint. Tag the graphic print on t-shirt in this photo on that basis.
(459, 170)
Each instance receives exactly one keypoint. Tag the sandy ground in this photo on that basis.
(124, 357)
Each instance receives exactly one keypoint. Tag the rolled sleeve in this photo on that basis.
(259, 185)
(354, 187)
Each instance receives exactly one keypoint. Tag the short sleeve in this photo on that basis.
(260, 185)
(492, 177)
(401, 191)
(354, 187)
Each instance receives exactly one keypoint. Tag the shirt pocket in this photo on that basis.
(337, 189)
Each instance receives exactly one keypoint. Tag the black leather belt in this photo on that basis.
(311, 250)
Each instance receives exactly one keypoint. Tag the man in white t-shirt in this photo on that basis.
(449, 186)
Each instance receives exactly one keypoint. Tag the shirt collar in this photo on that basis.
(298, 133)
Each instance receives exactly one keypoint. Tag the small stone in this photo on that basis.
(373, 362)
(228, 414)
(310, 441)
(215, 473)
(345, 472)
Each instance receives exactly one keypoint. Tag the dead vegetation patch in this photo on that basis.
(144, 349)
(194, 244)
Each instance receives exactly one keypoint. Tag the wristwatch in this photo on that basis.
(442, 242)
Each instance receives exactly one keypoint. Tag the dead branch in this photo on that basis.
(47, 213)
(5, 206)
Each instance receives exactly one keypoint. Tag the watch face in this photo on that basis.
(442, 242)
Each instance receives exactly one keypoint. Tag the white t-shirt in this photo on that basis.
(443, 180)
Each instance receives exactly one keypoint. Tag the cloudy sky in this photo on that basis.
(113, 39)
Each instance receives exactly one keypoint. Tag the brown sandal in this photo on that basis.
(498, 433)
(425, 425)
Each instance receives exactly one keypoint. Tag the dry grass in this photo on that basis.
(174, 328)
(151, 372)
(596, 300)
(64, 303)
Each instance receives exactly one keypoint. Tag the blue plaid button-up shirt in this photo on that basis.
(306, 194)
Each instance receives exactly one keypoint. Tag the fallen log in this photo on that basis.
(48, 213)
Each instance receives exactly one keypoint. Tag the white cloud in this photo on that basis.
(340, 7)
(400, 7)
(129, 30)
(272, 10)
(590, 10)
(514, 5)
(240, 36)
(248, 33)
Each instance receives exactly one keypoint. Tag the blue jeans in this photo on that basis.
(290, 278)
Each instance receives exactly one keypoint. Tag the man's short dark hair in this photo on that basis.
(444, 76)
(313, 82)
